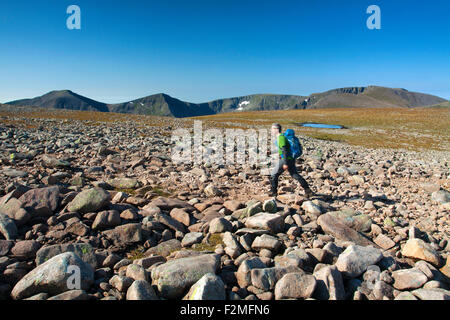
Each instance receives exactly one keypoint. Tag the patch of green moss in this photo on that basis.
(127, 191)
(137, 253)
(214, 240)
(161, 192)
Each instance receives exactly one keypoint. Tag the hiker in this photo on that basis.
(286, 161)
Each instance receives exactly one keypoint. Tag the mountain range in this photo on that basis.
(164, 105)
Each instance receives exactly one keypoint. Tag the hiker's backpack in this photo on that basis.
(294, 143)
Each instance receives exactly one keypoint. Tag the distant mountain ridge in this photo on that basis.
(164, 105)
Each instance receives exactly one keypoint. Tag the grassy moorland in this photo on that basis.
(398, 128)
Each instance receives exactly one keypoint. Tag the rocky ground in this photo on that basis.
(107, 199)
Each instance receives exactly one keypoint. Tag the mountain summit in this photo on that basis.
(63, 99)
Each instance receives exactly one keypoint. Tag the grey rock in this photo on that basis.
(355, 260)
(266, 278)
(333, 226)
(90, 200)
(71, 295)
(209, 287)
(141, 290)
(266, 221)
(41, 202)
(124, 183)
(266, 242)
(136, 272)
(83, 250)
(105, 219)
(407, 279)
(405, 296)
(191, 238)
(52, 277)
(14, 173)
(165, 248)
(296, 285)
(220, 225)
(121, 283)
(125, 234)
(330, 285)
(51, 162)
(312, 208)
(7, 227)
(243, 274)
(441, 196)
(174, 277)
(432, 294)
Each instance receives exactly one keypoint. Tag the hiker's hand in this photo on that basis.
(285, 167)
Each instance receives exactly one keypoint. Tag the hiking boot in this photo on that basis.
(309, 193)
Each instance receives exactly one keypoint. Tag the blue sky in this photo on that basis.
(202, 50)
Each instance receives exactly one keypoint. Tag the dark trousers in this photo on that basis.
(278, 170)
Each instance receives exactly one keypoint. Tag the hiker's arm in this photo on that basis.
(284, 151)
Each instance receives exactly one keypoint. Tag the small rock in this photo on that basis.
(25, 249)
(136, 272)
(71, 295)
(141, 290)
(312, 208)
(209, 287)
(106, 219)
(408, 279)
(270, 206)
(243, 274)
(7, 227)
(432, 294)
(355, 260)
(296, 285)
(121, 283)
(220, 225)
(418, 249)
(266, 241)
(191, 238)
(90, 200)
(330, 285)
(175, 276)
(267, 221)
(384, 241)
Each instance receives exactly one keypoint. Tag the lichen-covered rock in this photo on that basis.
(90, 200)
(42, 201)
(83, 250)
(52, 277)
(174, 277)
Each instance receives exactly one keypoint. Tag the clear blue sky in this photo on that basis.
(202, 50)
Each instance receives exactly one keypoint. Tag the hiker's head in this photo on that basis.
(276, 129)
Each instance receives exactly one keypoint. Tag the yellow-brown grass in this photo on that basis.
(398, 128)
